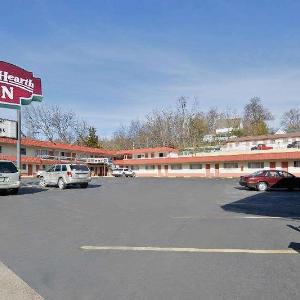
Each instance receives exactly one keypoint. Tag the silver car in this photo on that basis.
(62, 175)
(124, 172)
(9, 177)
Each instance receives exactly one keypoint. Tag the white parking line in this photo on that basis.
(188, 250)
(225, 218)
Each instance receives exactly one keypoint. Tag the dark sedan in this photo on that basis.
(267, 179)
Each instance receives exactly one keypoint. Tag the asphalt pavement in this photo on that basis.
(142, 238)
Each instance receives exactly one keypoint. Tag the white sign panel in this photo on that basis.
(8, 128)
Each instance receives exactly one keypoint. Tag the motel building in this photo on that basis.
(233, 160)
(37, 155)
(152, 162)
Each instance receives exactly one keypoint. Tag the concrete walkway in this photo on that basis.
(13, 287)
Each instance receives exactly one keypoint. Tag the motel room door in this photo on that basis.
(159, 170)
(217, 171)
(207, 170)
(29, 170)
(285, 166)
(166, 170)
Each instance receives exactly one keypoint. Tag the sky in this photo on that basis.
(114, 61)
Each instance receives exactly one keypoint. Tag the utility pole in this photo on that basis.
(19, 139)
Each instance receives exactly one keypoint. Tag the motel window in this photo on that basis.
(0, 149)
(152, 155)
(161, 154)
(63, 154)
(195, 166)
(41, 152)
(151, 167)
(256, 165)
(297, 163)
(23, 151)
(231, 165)
(135, 168)
(176, 167)
(139, 156)
(24, 167)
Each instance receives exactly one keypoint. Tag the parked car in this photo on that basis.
(295, 144)
(39, 173)
(261, 147)
(62, 175)
(9, 177)
(268, 179)
(125, 172)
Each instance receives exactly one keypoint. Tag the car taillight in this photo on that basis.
(69, 174)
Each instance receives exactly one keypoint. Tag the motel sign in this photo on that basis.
(18, 86)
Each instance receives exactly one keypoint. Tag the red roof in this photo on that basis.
(144, 150)
(54, 145)
(30, 160)
(210, 159)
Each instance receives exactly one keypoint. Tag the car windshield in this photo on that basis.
(7, 167)
(258, 173)
(79, 168)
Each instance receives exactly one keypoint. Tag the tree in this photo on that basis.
(212, 116)
(256, 117)
(291, 119)
(92, 139)
(53, 123)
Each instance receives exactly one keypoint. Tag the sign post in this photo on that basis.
(19, 139)
(18, 87)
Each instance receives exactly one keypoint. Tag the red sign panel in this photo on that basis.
(18, 86)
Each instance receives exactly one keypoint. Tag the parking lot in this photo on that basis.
(175, 238)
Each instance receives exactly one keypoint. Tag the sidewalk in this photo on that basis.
(13, 287)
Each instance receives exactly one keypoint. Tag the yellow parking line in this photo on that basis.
(189, 250)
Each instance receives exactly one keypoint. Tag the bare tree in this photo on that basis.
(53, 123)
(38, 121)
(291, 119)
(211, 118)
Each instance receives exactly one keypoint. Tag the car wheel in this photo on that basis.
(14, 191)
(42, 182)
(61, 184)
(133, 175)
(123, 174)
(262, 186)
(84, 185)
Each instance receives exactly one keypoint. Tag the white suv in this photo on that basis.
(124, 172)
(62, 175)
(9, 177)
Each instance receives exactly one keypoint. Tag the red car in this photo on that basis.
(267, 179)
(261, 147)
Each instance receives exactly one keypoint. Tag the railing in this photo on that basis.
(91, 160)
